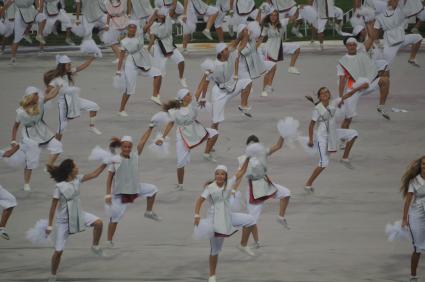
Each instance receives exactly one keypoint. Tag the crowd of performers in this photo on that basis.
(254, 53)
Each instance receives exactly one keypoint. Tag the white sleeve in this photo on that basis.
(264, 31)
(172, 114)
(231, 182)
(340, 70)
(315, 115)
(205, 194)
(54, 83)
(111, 168)
(18, 117)
(411, 189)
(56, 194)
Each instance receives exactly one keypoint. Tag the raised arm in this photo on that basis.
(236, 71)
(52, 211)
(143, 140)
(85, 65)
(407, 203)
(240, 173)
(276, 147)
(185, 4)
(94, 173)
(198, 205)
(310, 133)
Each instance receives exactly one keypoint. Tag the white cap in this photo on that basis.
(241, 27)
(357, 29)
(351, 40)
(62, 59)
(266, 9)
(220, 47)
(221, 167)
(163, 11)
(133, 22)
(31, 90)
(254, 30)
(182, 93)
(126, 138)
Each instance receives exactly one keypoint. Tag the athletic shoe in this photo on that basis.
(156, 100)
(123, 114)
(256, 245)
(414, 63)
(109, 245)
(153, 216)
(414, 279)
(98, 251)
(3, 233)
(264, 93)
(245, 110)
(246, 250)
(209, 157)
(212, 279)
(207, 34)
(309, 189)
(52, 278)
(183, 82)
(347, 163)
(293, 70)
(283, 221)
(27, 187)
(69, 41)
(12, 61)
(381, 110)
(179, 187)
(95, 130)
(40, 39)
(27, 38)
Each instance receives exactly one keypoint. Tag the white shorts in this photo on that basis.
(62, 230)
(255, 210)
(7, 200)
(350, 104)
(322, 143)
(51, 21)
(8, 27)
(85, 105)
(182, 152)
(32, 153)
(218, 105)
(192, 17)
(160, 60)
(131, 72)
(116, 210)
(390, 52)
(21, 26)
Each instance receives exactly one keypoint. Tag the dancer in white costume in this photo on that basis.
(288, 13)
(7, 20)
(70, 104)
(116, 24)
(189, 132)
(221, 222)
(244, 10)
(123, 185)
(93, 15)
(66, 204)
(413, 190)
(357, 68)
(135, 60)
(420, 19)
(392, 22)
(161, 38)
(140, 10)
(224, 7)
(251, 65)
(227, 85)
(328, 134)
(274, 49)
(35, 133)
(174, 7)
(26, 14)
(261, 187)
(192, 10)
(7, 200)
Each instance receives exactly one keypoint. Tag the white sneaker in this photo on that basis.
(109, 245)
(381, 110)
(12, 61)
(212, 279)
(40, 39)
(179, 187)
(322, 47)
(246, 250)
(27, 38)
(153, 216)
(156, 100)
(347, 163)
(185, 51)
(264, 93)
(52, 278)
(95, 130)
(3, 233)
(283, 221)
(293, 70)
(245, 110)
(123, 114)
(183, 82)
(209, 157)
(207, 34)
(69, 41)
(27, 187)
(309, 189)
(256, 245)
(98, 251)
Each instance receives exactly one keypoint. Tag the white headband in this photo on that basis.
(220, 47)
(31, 90)
(351, 40)
(221, 167)
(182, 93)
(62, 59)
(126, 139)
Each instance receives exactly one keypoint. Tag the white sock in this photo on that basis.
(92, 121)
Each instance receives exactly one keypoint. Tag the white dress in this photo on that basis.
(417, 213)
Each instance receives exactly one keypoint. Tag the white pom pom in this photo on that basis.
(37, 234)
(119, 83)
(254, 30)
(309, 14)
(288, 128)
(160, 118)
(204, 230)
(78, 30)
(101, 155)
(254, 150)
(17, 160)
(303, 141)
(88, 46)
(208, 65)
(395, 232)
(367, 13)
(160, 151)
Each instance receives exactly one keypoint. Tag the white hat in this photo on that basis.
(351, 40)
(163, 11)
(220, 47)
(357, 29)
(266, 9)
(126, 138)
(62, 59)
(31, 90)
(221, 167)
(182, 93)
(133, 22)
(241, 27)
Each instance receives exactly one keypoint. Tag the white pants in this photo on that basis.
(417, 226)
(8, 27)
(62, 230)
(131, 72)
(51, 21)
(32, 153)
(116, 210)
(322, 143)
(21, 26)
(183, 152)
(390, 52)
(88, 27)
(7, 200)
(160, 60)
(239, 220)
(86, 105)
(218, 105)
(192, 17)
(255, 209)
(350, 104)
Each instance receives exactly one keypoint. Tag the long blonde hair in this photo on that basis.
(412, 171)
(25, 103)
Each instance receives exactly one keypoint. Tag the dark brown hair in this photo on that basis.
(61, 173)
(115, 143)
(172, 104)
(59, 71)
(267, 21)
(412, 171)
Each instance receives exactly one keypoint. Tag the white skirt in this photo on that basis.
(417, 226)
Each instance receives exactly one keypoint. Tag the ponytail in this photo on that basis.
(172, 104)
(114, 144)
(61, 173)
